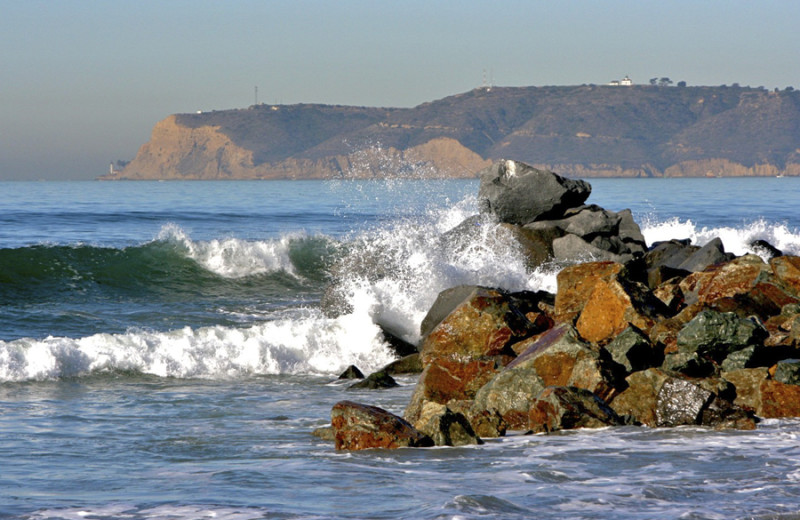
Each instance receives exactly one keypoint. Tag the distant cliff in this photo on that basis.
(585, 131)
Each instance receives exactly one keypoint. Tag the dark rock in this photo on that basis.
(688, 363)
(787, 372)
(398, 345)
(566, 408)
(351, 372)
(411, 364)
(715, 335)
(710, 254)
(658, 275)
(762, 247)
(375, 381)
(518, 193)
(572, 248)
(359, 426)
(758, 355)
(633, 350)
(669, 254)
(445, 427)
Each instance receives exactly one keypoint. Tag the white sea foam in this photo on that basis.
(736, 240)
(232, 257)
(305, 344)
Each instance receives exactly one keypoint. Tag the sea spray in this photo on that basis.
(402, 268)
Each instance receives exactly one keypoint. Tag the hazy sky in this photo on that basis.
(83, 82)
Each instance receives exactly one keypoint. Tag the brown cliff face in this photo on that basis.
(583, 131)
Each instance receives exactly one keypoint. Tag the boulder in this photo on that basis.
(324, 433)
(411, 364)
(778, 399)
(470, 345)
(747, 280)
(566, 408)
(576, 283)
(633, 350)
(445, 427)
(572, 248)
(787, 372)
(560, 358)
(747, 382)
(710, 254)
(765, 250)
(715, 335)
(655, 398)
(351, 372)
(787, 269)
(358, 426)
(375, 381)
(670, 254)
(616, 303)
(399, 346)
(517, 193)
(510, 394)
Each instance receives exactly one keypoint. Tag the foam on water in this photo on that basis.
(306, 343)
(736, 240)
(232, 257)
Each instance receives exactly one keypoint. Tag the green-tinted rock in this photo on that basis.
(375, 381)
(788, 372)
(633, 350)
(445, 427)
(715, 334)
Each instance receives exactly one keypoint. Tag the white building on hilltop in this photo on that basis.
(624, 82)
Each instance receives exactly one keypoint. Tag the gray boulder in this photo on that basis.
(517, 193)
(710, 254)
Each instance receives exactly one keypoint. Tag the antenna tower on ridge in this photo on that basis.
(256, 95)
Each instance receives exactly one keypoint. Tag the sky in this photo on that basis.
(82, 83)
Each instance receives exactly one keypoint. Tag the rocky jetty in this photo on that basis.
(669, 335)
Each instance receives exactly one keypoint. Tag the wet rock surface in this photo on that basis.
(669, 336)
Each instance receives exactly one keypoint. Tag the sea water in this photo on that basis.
(164, 354)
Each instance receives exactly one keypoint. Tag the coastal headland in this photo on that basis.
(576, 131)
(670, 334)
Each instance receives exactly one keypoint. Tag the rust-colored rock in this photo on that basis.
(469, 346)
(779, 399)
(747, 382)
(614, 305)
(747, 281)
(787, 269)
(576, 283)
(359, 427)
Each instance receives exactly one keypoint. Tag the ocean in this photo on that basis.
(164, 355)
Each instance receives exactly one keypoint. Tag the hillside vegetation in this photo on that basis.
(576, 131)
